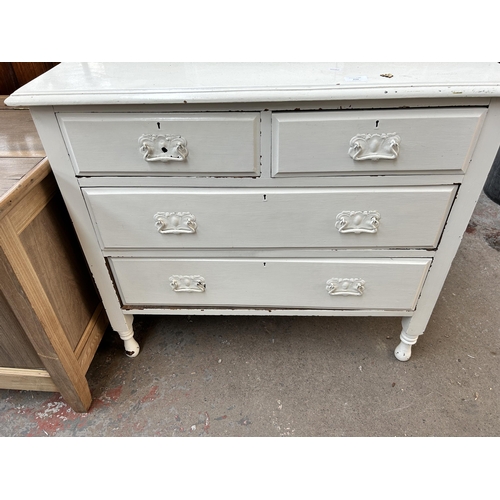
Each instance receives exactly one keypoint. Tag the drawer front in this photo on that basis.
(393, 217)
(385, 141)
(163, 144)
(283, 283)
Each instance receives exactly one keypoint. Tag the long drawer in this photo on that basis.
(284, 283)
(374, 141)
(182, 144)
(392, 217)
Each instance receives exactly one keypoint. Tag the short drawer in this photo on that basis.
(181, 144)
(375, 141)
(283, 283)
(392, 217)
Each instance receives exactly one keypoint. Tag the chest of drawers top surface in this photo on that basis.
(150, 83)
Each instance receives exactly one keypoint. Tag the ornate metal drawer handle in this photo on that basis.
(187, 283)
(345, 286)
(175, 222)
(163, 147)
(374, 147)
(367, 221)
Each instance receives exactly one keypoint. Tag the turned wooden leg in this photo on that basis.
(403, 350)
(131, 346)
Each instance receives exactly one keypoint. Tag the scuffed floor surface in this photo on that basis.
(279, 376)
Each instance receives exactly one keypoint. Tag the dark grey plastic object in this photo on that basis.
(492, 184)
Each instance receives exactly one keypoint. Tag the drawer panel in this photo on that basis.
(163, 144)
(375, 141)
(284, 283)
(393, 217)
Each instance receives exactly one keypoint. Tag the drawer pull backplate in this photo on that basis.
(187, 283)
(175, 222)
(163, 147)
(358, 222)
(374, 147)
(345, 286)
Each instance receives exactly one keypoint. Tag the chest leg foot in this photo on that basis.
(403, 350)
(131, 346)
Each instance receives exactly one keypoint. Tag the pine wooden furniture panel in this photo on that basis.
(290, 188)
(51, 317)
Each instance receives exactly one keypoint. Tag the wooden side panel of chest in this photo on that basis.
(51, 317)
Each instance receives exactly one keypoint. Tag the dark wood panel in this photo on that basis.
(16, 74)
(56, 256)
(27, 71)
(8, 80)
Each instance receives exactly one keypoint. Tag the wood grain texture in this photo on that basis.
(27, 380)
(58, 261)
(22, 307)
(8, 79)
(30, 206)
(18, 135)
(27, 71)
(40, 322)
(12, 170)
(91, 338)
(48, 303)
(20, 190)
(15, 74)
(16, 350)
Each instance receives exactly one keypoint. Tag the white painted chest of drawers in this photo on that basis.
(292, 189)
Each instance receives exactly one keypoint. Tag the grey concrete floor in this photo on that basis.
(307, 376)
